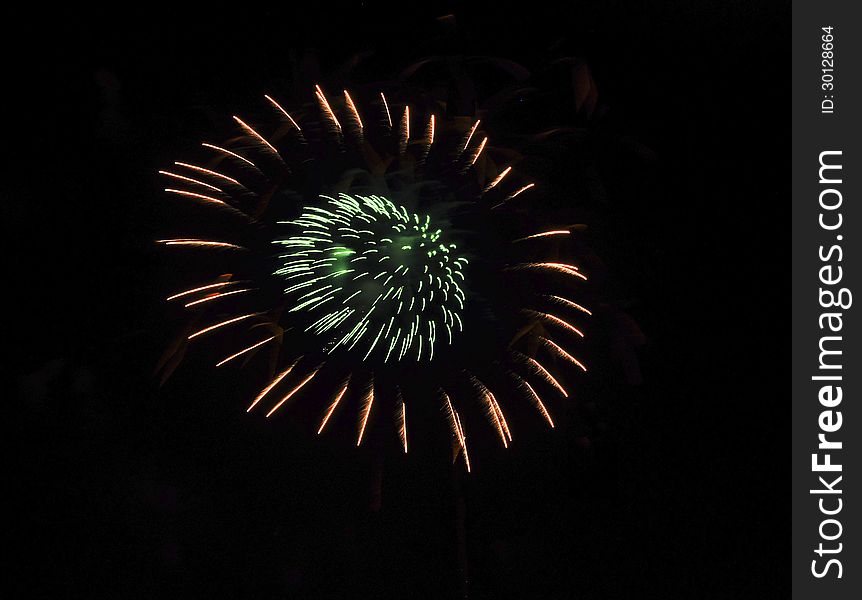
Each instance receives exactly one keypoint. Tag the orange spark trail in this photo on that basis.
(216, 297)
(229, 153)
(451, 414)
(553, 266)
(548, 377)
(352, 108)
(405, 128)
(536, 400)
(544, 234)
(556, 320)
(406, 123)
(192, 242)
(190, 180)
(569, 303)
(470, 137)
(241, 352)
(333, 405)
(196, 195)
(463, 442)
(200, 289)
(386, 106)
(501, 416)
(498, 179)
(478, 152)
(562, 353)
(494, 411)
(292, 392)
(514, 194)
(256, 135)
(284, 112)
(521, 190)
(455, 421)
(222, 324)
(403, 429)
(323, 102)
(274, 383)
(208, 172)
(369, 400)
(429, 137)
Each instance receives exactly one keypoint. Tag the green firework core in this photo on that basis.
(373, 278)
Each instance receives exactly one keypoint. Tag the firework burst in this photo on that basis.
(373, 264)
(367, 266)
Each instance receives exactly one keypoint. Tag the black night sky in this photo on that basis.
(668, 480)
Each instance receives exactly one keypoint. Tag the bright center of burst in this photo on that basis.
(373, 278)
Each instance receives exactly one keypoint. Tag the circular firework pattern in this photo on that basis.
(376, 259)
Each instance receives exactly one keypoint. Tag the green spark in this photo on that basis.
(393, 308)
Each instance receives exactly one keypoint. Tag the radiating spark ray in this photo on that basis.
(463, 442)
(569, 303)
(535, 398)
(451, 414)
(562, 353)
(292, 392)
(497, 180)
(502, 417)
(493, 410)
(222, 324)
(321, 97)
(353, 110)
(478, 152)
(241, 352)
(202, 288)
(555, 320)
(229, 153)
(496, 416)
(208, 172)
(196, 195)
(457, 429)
(544, 234)
(547, 376)
(516, 193)
(405, 129)
(193, 242)
(272, 384)
(332, 406)
(284, 112)
(216, 297)
(190, 180)
(386, 106)
(402, 431)
(552, 266)
(520, 191)
(470, 136)
(366, 410)
(256, 135)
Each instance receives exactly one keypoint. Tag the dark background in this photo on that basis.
(674, 487)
